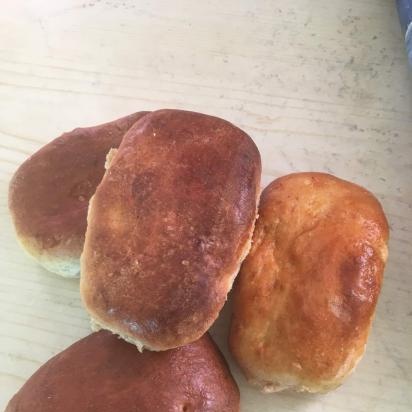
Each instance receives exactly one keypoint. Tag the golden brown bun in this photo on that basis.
(306, 293)
(50, 192)
(168, 228)
(102, 373)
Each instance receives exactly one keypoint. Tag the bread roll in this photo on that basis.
(102, 373)
(168, 228)
(306, 294)
(50, 192)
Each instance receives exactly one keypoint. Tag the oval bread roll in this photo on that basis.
(102, 373)
(306, 293)
(168, 227)
(50, 192)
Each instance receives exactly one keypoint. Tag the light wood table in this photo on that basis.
(319, 84)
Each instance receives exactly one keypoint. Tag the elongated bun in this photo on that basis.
(306, 294)
(49, 193)
(168, 228)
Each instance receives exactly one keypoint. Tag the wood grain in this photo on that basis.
(319, 84)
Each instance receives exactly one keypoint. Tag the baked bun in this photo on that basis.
(50, 192)
(102, 373)
(168, 227)
(306, 293)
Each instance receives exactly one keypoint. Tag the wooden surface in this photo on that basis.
(319, 84)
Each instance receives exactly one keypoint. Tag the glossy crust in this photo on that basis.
(50, 192)
(168, 228)
(306, 294)
(102, 373)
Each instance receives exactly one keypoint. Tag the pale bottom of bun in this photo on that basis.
(292, 383)
(69, 268)
(243, 253)
(96, 326)
(55, 261)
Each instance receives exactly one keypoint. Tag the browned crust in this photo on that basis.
(102, 373)
(168, 227)
(306, 293)
(50, 191)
